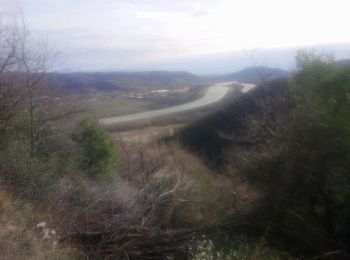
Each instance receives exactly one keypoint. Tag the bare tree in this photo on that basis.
(9, 87)
(35, 60)
(26, 86)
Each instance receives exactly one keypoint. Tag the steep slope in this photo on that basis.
(250, 115)
(292, 142)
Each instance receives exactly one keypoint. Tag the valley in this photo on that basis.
(214, 94)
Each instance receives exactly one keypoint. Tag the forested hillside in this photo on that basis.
(290, 138)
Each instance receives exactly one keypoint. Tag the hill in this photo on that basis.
(215, 136)
(110, 81)
(290, 139)
(252, 75)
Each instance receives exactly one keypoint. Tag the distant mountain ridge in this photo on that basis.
(253, 75)
(111, 81)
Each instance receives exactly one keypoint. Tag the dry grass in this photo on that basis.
(20, 238)
(206, 193)
(160, 187)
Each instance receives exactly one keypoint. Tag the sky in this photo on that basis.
(200, 36)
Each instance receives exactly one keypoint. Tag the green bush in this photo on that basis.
(309, 178)
(99, 152)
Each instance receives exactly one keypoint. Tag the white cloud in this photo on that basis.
(158, 30)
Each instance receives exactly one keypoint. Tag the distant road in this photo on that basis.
(213, 94)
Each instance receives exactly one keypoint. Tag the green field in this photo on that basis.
(116, 107)
(122, 106)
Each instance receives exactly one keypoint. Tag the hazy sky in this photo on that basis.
(147, 34)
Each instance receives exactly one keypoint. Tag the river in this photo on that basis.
(214, 94)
